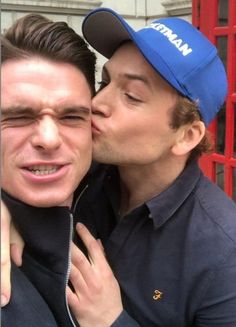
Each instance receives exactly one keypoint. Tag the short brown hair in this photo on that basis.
(186, 112)
(35, 35)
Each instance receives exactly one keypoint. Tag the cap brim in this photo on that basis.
(105, 31)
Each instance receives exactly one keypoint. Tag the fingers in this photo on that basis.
(5, 255)
(78, 282)
(94, 247)
(72, 301)
(11, 243)
(82, 272)
(96, 300)
(17, 246)
(101, 246)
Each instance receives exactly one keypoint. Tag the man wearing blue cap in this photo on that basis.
(169, 234)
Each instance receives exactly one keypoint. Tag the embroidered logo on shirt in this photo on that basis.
(157, 295)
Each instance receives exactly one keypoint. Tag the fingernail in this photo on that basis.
(3, 300)
(79, 226)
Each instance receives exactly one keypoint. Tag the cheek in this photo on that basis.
(134, 130)
(146, 134)
(15, 149)
(14, 135)
(85, 139)
(10, 143)
(82, 146)
(123, 128)
(82, 159)
(8, 167)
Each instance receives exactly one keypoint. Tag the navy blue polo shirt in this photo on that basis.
(174, 256)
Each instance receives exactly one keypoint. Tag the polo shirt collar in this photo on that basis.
(164, 205)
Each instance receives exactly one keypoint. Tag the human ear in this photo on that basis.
(188, 137)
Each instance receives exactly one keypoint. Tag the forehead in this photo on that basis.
(128, 59)
(37, 79)
(38, 70)
(128, 56)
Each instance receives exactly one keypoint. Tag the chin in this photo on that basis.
(46, 201)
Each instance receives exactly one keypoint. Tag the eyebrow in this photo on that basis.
(130, 76)
(16, 110)
(20, 110)
(75, 109)
(137, 77)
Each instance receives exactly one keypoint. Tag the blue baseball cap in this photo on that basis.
(179, 52)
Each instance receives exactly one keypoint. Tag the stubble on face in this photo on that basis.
(133, 108)
(46, 146)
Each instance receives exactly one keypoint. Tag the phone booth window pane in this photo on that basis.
(223, 6)
(221, 43)
(220, 135)
(220, 175)
(221, 118)
(234, 154)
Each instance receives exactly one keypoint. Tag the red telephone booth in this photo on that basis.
(217, 20)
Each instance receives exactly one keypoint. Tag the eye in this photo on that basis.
(132, 98)
(17, 121)
(72, 119)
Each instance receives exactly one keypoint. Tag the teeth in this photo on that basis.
(43, 169)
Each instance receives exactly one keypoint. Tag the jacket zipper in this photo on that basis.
(69, 254)
(79, 197)
(69, 268)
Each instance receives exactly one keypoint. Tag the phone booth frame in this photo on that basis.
(217, 20)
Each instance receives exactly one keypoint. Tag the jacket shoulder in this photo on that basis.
(26, 307)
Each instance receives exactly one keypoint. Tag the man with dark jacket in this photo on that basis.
(46, 89)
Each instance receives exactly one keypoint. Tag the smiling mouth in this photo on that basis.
(43, 169)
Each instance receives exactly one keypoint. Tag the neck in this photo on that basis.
(141, 183)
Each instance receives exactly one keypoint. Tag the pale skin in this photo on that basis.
(44, 104)
(130, 123)
(8, 236)
(97, 300)
(131, 127)
(40, 117)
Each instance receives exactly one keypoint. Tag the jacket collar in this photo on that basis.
(46, 231)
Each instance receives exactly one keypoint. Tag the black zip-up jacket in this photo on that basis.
(38, 287)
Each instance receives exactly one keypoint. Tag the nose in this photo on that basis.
(46, 135)
(101, 102)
